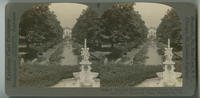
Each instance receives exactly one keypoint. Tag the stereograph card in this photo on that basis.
(101, 48)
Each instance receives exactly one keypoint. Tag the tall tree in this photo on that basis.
(119, 24)
(87, 26)
(170, 27)
(41, 29)
(123, 24)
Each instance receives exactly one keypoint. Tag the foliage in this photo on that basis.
(77, 48)
(40, 28)
(119, 24)
(116, 53)
(170, 27)
(57, 55)
(178, 65)
(87, 26)
(140, 57)
(125, 75)
(44, 76)
(110, 75)
(161, 48)
(123, 24)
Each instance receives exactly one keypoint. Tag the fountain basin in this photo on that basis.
(175, 74)
(87, 79)
(169, 79)
(91, 74)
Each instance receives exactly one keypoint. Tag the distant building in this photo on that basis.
(151, 33)
(67, 33)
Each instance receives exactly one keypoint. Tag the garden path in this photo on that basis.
(69, 58)
(153, 57)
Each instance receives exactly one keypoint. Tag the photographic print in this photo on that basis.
(72, 45)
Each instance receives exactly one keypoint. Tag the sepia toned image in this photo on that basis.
(72, 45)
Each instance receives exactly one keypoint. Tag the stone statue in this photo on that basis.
(168, 54)
(85, 54)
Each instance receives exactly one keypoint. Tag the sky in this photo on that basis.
(67, 13)
(151, 13)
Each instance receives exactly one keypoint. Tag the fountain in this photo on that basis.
(86, 78)
(169, 78)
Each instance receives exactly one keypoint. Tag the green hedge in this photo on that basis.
(43, 75)
(140, 57)
(56, 57)
(125, 75)
(110, 75)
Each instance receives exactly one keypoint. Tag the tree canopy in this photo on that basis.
(87, 26)
(40, 28)
(119, 24)
(170, 27)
